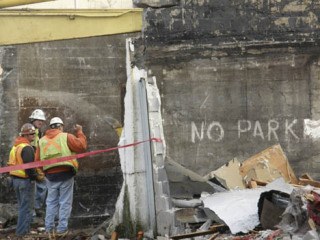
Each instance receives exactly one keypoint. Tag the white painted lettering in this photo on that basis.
(257, 130)
(195, 132)
(219, 132)
(273, 129)
(244, 129)
(288, 128)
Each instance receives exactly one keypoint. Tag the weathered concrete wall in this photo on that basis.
(235, 77)
(82, 81)
(213, 21)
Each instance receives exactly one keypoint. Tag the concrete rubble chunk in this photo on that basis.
(98, 237)
(190, 215)
(8, 211)
(295, 217)
(184, 183)
(184, 203)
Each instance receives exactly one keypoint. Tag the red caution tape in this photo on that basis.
(62, 159)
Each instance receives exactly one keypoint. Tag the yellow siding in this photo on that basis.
(26, 26)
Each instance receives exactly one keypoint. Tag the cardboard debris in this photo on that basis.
(228, 175)
(267, 166)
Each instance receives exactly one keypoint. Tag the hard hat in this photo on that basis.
(38, 114)
(27, 128)
(56, 120)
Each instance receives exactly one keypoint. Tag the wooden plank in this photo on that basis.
(306, 182)
(212, 229)
(306, 176)
(194, 234)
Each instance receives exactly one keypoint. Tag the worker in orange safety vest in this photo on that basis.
(60, 176)
(24, 180)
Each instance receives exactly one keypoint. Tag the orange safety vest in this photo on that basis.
(16, 159)
(54, 148)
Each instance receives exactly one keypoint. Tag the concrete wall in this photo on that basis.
(235, 77)
(82, 81)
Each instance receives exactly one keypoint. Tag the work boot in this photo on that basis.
(52, 235)
(40, 213)
(61, 235)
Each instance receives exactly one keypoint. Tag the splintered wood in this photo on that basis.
(267, 166)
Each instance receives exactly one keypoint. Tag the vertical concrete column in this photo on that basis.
(164, 214)
(135, 204)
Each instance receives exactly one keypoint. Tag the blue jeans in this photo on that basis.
(41, 193)
(24, 189)
(59, 200)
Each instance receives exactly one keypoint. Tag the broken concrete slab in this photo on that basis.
(228, 175)
(184, 183)
(267, 166)
(190, 215)
(295, 217)
(239, 208)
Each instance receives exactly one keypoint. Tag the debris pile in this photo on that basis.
(260, 198)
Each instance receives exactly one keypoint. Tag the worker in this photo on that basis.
(23, 180)
(60, 176)
(38, 118)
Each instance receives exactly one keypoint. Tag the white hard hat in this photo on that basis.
(56, 120)
(38, 114)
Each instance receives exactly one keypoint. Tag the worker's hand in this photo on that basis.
(78, 127)
(40, 176)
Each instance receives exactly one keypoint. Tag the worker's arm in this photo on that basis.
(78, 142)
(27, 155)
(37, 157)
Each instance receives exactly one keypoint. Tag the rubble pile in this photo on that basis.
(260, 198)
